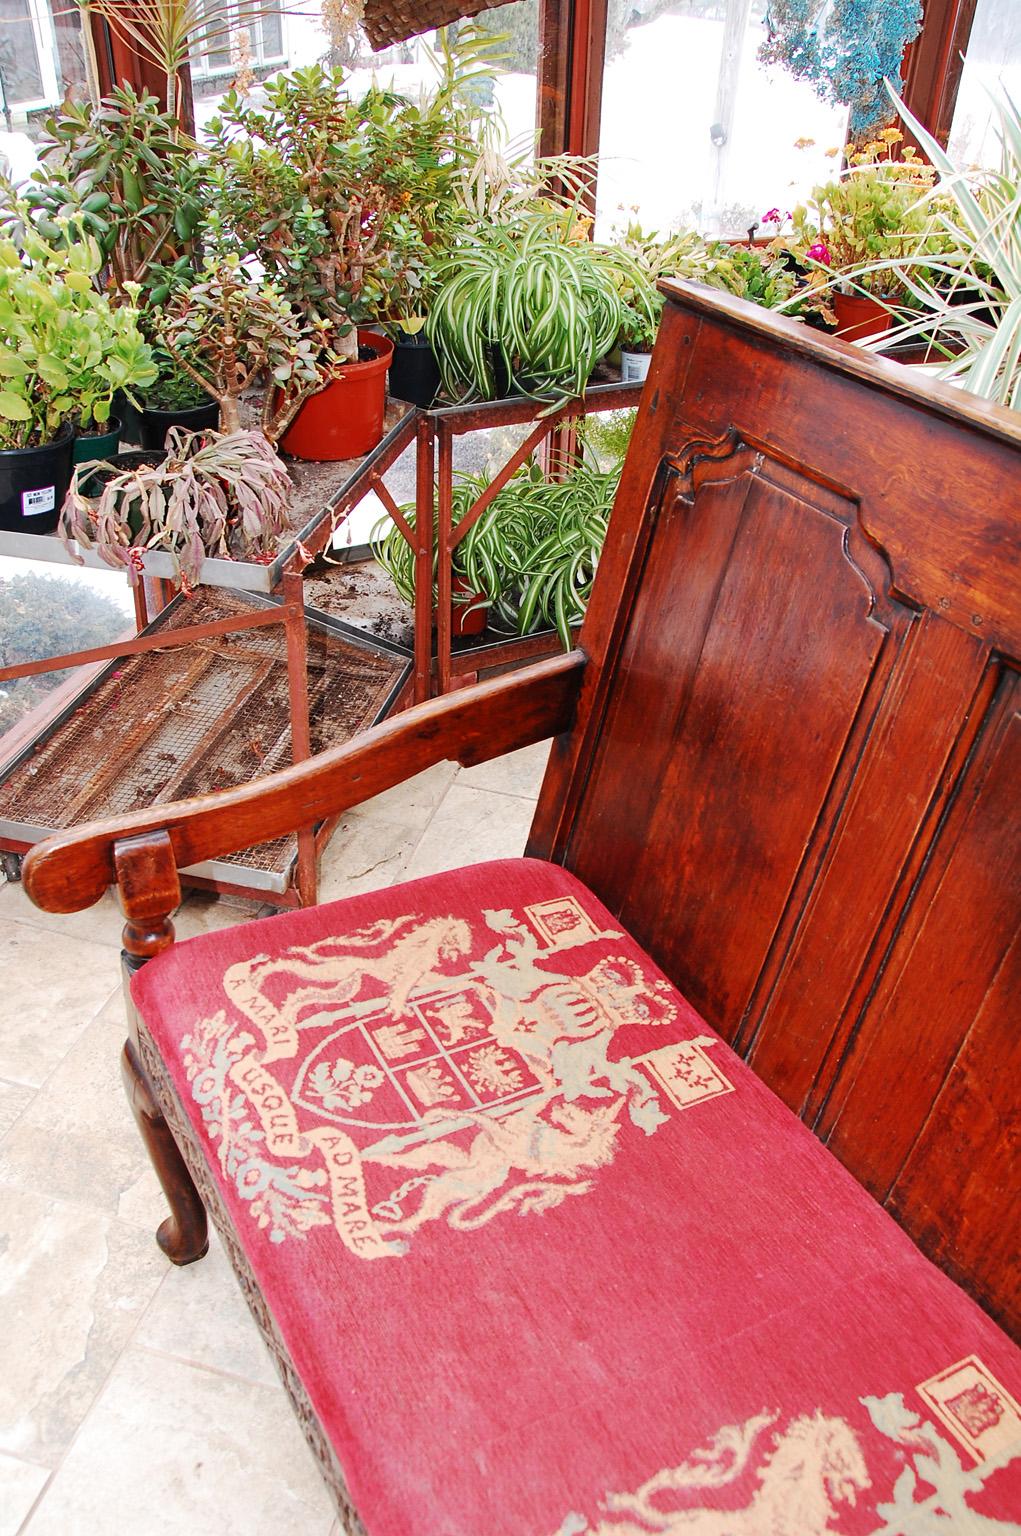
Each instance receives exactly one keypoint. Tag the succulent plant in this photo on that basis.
(64, 349)
(229, 333)
(215, 493)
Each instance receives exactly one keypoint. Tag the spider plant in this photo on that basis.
(527, 301)
(533, 553)
(967, 304)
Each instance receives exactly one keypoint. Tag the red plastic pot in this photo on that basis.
(344, 420)
(859, 316)
(467, 618)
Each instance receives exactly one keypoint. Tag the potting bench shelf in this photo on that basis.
(294, 880)
(266, 575)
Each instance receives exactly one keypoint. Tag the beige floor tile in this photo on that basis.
(365, 854)
(21, 1483)
(14, 1100)
(200, 1316)
(99, 924)
(171, 1450)
(471, 825)
(77, 1141)
(50, 993)
(518, 773)
(73, 1286)
(412, 803)
(205, 912)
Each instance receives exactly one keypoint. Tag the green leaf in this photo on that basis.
(13, 407)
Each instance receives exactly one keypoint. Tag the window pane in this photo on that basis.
(993, 60)
(695, 131)
(20, 64)
(296, 33)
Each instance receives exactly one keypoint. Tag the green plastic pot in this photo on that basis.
(98, 445)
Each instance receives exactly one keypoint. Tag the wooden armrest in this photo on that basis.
(72, 869)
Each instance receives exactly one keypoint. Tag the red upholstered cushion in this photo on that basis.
(548, 1257)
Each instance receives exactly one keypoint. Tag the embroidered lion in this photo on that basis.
(410, 952)
(814, 1465)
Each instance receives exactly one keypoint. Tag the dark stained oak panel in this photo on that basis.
(958, 926)
(744, 732)
(917, 720)
(960, 1190)
(793, 771)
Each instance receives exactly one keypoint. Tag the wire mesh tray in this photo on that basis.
(195, 718)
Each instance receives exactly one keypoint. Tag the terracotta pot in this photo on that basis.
(468, 618)
(859, 316)
(344, 420)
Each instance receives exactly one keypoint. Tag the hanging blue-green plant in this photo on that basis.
(846, 48)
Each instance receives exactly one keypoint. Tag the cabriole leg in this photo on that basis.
(184, 1235)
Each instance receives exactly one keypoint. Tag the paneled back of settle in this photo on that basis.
(796, 770)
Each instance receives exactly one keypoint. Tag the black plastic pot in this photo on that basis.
(414, 371)
(98, 445)
(134, 458)
(33, 484)
(197, 418)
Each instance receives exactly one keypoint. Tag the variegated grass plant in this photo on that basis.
(221, 494)
(532, 555)
(523, 309)
(967, 304)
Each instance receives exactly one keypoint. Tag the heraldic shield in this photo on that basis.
(381, 1073)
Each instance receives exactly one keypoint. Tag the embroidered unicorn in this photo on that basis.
(813, 1466)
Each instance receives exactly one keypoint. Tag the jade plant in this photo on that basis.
(221, 494)
(324, 190)
(229, 334)
(121, 171)
(64, 348)
(523, 309)
(530, 558)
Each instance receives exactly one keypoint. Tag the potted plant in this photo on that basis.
(122, 167)
(221, 494)
(64, 351)
(523, 309)
(321, 189)
(528, 563)
(229, 336)
(176, 399)
(755, 275)
(639, 261)
(874, 211)
(964, 303)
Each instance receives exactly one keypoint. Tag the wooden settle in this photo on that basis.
(787, 756)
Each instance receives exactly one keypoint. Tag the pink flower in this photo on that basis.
(772, 216)
(819, 251)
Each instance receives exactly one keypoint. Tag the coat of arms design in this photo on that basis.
(431, 1069)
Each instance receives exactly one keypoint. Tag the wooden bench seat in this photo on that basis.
(540, 1250)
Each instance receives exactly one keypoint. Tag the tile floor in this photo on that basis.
(134, 1397)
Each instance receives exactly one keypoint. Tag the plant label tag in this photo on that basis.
(35, 502)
